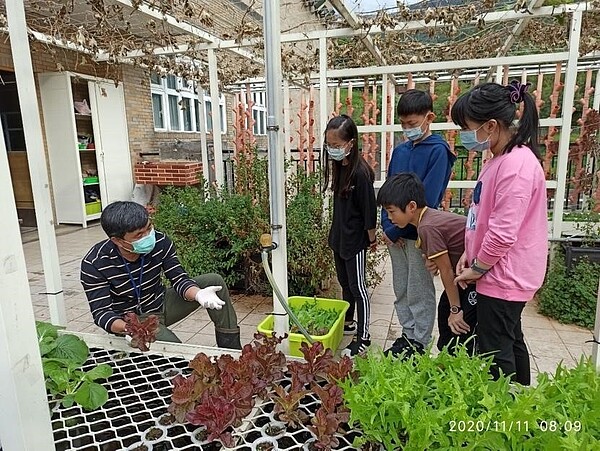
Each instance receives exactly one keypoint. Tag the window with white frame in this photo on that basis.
(259, 113)
(175, 105)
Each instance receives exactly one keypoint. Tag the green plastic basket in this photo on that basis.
(332, 340)
(92, 208)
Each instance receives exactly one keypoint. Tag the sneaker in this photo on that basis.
(404, 346)
(350, 328)
(357, 346)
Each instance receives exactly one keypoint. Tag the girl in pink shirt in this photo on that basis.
(506, 237)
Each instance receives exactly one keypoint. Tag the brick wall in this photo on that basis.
(164, 173)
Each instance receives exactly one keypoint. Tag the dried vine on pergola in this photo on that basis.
(460, 32)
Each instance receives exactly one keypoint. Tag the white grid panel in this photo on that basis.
(139, 393)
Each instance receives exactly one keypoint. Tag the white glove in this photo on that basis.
(207, 298)
(128, 339)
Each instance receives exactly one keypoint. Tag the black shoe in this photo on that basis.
(357, 346)
(404, 346)
(350, 328)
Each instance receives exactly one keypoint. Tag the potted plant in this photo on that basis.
(323, 317)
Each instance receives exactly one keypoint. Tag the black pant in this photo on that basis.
(468, 304)
(351, 275)
(499, 332)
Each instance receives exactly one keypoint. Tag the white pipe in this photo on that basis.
(25, 423)
(565, 131)
(217, 127)
(272, 31)
(595, 347)
(384, 113)
(36, 157)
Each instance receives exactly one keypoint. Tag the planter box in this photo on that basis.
(575, 252)
(332, 340)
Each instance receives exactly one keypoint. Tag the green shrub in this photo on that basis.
(215, 233)
(570, 297)
(310, 260)
(219, 231)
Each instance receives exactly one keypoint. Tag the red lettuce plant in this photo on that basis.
(318, 362)
(329, 416)
(286, 406)
(217, 413)
(142, 333)
(220, 393)
(183, 399)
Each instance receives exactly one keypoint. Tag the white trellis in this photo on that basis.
(23, 397)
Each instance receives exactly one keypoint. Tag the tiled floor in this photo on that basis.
(549, 341)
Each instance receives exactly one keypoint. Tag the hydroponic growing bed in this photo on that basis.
(139, 393)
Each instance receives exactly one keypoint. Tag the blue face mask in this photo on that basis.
(469, 140)
(415, 133)
(337, 153)
(145, 244)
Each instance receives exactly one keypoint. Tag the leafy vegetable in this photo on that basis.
(450, 402)
(286, 405)
(62, 356)
(221, 392)
(217, 413)
(142, 333)
(317, 320)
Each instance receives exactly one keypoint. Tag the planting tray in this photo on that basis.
(139, 393)
(332, 340)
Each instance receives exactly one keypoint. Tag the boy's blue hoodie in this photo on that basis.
(431, 160)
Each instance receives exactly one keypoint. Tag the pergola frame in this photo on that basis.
(23, 398)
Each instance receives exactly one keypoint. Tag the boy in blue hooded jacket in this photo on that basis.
(429, 157)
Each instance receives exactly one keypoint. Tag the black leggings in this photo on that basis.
(351, 275)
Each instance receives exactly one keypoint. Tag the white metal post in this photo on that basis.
(36, 157)
(595, 347)
(25, 423)
(203, 144)
(217, 127)
(323, 113)
(596, 99)
(565, 131)
(272, 31)
(384, 135)
(287, 125)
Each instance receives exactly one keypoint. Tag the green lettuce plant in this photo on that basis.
(450, 402)
(62, 358)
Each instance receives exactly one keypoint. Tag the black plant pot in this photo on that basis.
(575, 251)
